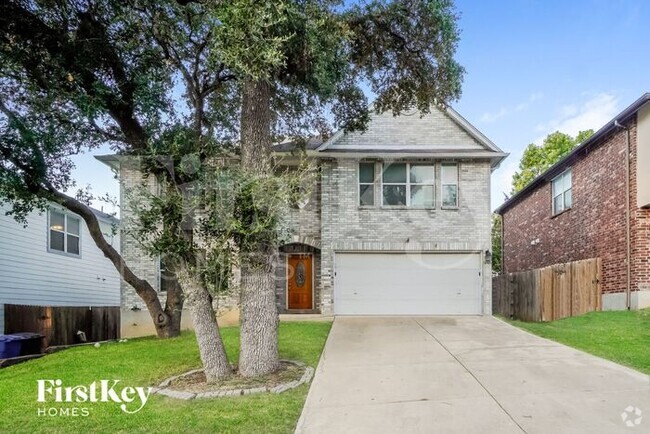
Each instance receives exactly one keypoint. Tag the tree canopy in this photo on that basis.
(178, 85)
(537, 159)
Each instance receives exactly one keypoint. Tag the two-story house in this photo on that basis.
(53, 261)
(398, 222)
(593, 203)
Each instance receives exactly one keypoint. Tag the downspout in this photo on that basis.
(503, 242)
(628, 253)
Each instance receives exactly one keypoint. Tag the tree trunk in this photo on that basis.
(174, 310)
(259, 314)
(256, 127)
(208, 337)
(259, 321)
(166, 321)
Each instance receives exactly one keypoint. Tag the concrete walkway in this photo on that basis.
(464, 375)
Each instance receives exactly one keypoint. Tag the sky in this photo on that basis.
(532, 67)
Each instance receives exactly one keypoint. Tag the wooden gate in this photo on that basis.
(549, 293)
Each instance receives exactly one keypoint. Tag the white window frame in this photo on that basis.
(359, 184)
(65, 233)
(443, 184)
(563, 175)
(408, 184)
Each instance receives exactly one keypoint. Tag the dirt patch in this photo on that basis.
(194, 382)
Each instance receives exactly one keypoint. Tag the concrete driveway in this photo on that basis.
(464, 375)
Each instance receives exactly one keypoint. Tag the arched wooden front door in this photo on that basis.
(300, 281)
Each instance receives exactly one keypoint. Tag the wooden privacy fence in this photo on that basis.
(60, 324)
(549, 293)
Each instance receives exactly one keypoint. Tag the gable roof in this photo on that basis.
(468, 128)
(441, 133)
(582, 148)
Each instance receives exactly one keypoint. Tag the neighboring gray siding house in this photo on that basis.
(398, 222)
(53, 261)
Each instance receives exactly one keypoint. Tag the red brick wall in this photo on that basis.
(640, 227)
(593, 227)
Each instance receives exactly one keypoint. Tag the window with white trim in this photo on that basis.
(449, 181)
(366, 184)
(562, 198)
(408, 184)
(64, 233)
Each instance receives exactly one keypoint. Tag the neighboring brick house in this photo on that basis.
(398, 221)
(578, 209)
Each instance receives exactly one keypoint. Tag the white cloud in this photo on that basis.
(593, 113)
(489, 117)
(572, 118)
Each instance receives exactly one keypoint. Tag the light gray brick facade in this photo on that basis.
(435, 129)
(138, 260)
(348, 227)
(332, 221)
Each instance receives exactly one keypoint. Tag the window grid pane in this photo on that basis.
(394, 173)
(450, 195)
(366, 173)
(57, 221)
(73, 226)
(558, 204)
(568, 199)
(422, 195)
(422, 174)
(72, 244)
(366, 194)
(394, 195)
(57, 240)
(449, 174)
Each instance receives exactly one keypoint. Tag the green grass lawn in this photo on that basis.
(146, 362)
(620, 336)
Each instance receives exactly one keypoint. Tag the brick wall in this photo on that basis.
(140, 263)
(595, 226)
(640, 222)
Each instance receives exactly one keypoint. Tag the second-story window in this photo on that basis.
(562, 198)
(408, 184)
(449, 181)
(367, 184)
(64, 233)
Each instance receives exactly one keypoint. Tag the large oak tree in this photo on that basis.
(79, 73)
(294, 58)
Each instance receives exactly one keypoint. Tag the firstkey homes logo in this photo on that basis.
(130, 399)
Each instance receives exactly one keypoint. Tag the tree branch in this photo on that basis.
(141, 286)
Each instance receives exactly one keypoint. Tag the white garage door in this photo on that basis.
(407, 284)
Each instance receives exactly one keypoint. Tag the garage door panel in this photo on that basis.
(406, 284)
